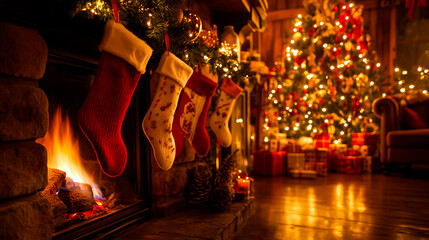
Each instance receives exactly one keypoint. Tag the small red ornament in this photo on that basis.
(322, 101)
(299, 60)
(304, 90)
(311, 31)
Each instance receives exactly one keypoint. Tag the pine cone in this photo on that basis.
(200, 187)
(223, 189)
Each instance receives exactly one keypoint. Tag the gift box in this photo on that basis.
(269, 163)
(321, 169)
(303, 174)
(335, 151)
(369, 139)
(322, 155)
(367, 164)
(349, 164)
(274, 145)
(292, 147)
(310, 154)
(295, 161)
(322, 140)
(310, 166)
(353, 152)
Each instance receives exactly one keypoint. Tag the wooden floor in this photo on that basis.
(339, 207)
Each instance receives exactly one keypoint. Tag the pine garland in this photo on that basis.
(151, 19)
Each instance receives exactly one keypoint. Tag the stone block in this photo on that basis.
(188, 154)
(23, 52)
(26, 218)
(23, 168)
(173, 181)
(23, 113)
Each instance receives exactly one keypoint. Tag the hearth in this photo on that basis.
(85, 201)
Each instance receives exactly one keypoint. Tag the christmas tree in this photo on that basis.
(330, 76)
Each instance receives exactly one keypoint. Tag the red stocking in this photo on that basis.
(190, 117)
(123, 58)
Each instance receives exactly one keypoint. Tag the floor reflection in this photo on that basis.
(339, 207)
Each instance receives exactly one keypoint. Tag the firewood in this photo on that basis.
(69, 183)
(59, 209)
(84, 188)
(75, 200)
(56, 179)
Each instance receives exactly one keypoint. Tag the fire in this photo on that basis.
(63, 151)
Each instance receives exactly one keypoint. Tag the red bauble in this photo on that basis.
(311, 31)
(322, 101)
(304, 90)
(299, 60)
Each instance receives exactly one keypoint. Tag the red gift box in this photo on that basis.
(321, 168)
(310, 166)
(360, 139)
(269, 163)
(322, 140)
(335, 151)
(310, 154)
(349, 164)
(322, 155)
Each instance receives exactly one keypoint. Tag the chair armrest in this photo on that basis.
(387, 109)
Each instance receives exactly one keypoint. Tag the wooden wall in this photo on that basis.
(379, 21)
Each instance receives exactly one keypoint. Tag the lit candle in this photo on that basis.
(243, 185)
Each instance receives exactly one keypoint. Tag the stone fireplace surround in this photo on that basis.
(24, 116)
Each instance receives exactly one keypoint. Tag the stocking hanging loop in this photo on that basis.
(115, 10)
(199, 65)
(167, 43)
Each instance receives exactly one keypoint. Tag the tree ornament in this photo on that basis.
(179, 15)
(199, 190)
(193, 23)
(348, 46)
(296, 36)
(223, 186)
(209, 37)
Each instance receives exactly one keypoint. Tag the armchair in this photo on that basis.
(404, 130)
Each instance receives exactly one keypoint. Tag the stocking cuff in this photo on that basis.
(171, 66)
(202, 84)
(231, 87)
(120, 42)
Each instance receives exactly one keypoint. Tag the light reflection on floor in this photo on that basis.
(336, 207)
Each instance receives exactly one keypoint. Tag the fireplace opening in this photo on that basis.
(84, 200)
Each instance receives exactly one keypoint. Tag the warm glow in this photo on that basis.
(63, 151)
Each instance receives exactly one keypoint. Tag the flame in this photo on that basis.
(63, 151)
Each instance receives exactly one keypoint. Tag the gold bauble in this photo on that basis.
(193, 23)
(296, 36)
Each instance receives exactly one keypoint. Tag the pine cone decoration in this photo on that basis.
(223, 189)
(200, 187)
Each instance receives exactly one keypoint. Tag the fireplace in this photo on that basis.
(38, 87)
(104, 204)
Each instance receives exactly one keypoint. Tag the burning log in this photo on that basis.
(76, 200)
(56, 178)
